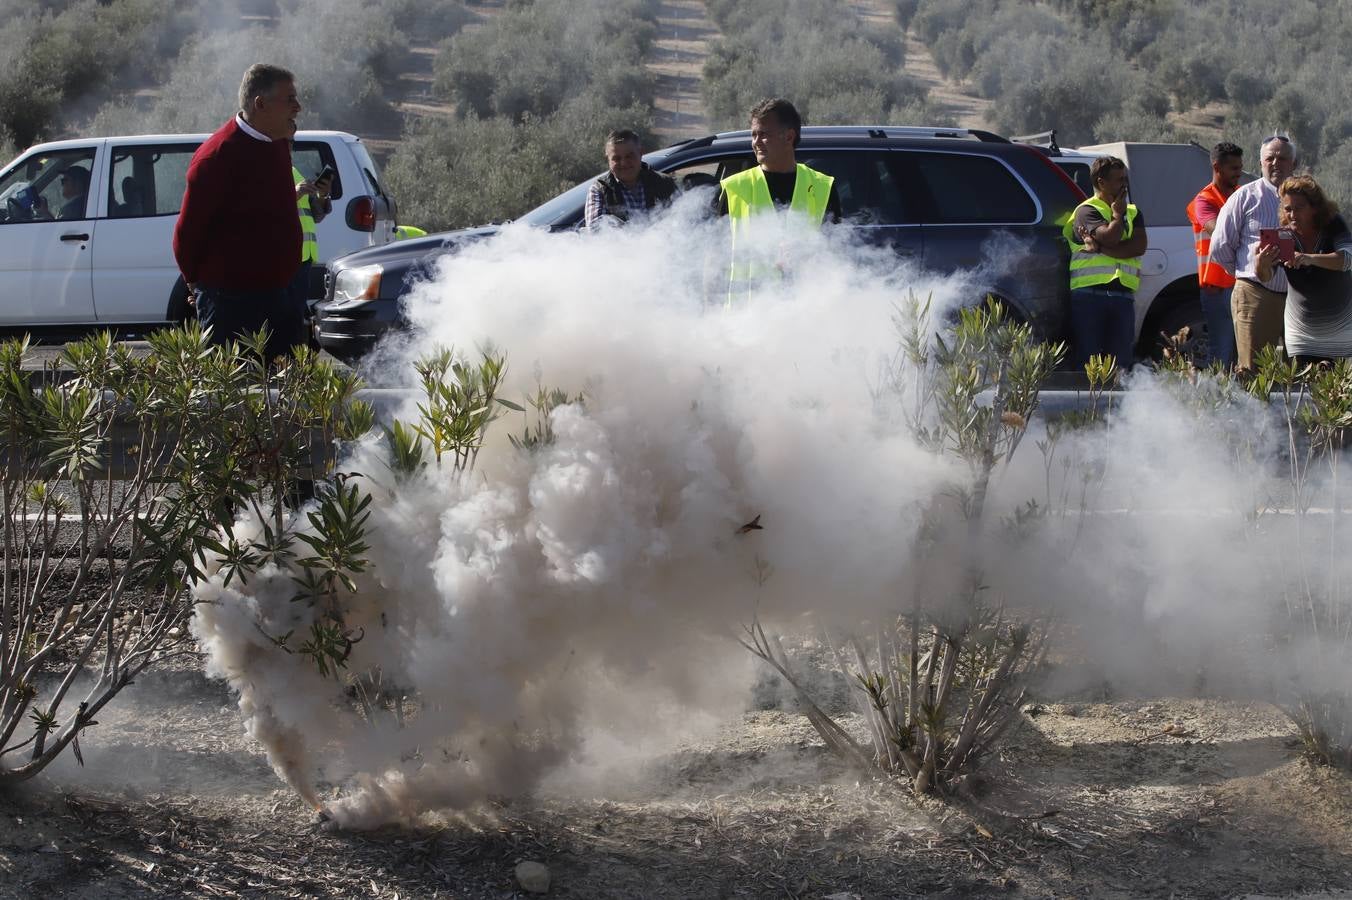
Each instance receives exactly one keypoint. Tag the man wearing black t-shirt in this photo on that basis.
(778, 184)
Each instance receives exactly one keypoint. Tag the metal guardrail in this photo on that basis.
(122, 460)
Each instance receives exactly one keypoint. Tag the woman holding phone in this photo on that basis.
(1318, 271)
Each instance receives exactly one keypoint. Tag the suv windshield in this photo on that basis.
(562, 210)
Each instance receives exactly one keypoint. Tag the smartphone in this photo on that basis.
(326, 172)
(1281, 238)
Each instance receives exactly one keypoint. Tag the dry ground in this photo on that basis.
(1138, 797)
(683, 35)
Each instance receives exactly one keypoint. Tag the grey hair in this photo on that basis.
(259, 80)
(1282, 139)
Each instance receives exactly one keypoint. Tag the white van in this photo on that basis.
(104, 256)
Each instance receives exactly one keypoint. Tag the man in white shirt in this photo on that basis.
(1257, 306)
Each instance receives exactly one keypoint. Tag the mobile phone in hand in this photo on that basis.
(1281, 238)
(326, 172)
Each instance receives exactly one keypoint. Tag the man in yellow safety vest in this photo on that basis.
(1107, 239)
(779, 183)
(312, 205)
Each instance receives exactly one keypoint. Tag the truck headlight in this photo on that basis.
(355, 286)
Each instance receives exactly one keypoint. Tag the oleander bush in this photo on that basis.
(119, 484)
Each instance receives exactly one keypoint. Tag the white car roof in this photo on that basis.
(52, 146)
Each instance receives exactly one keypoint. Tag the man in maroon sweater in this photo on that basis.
(238, 238)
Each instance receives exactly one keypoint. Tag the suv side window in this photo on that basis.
(310, 157)
(1079, 173)
(149, 180)
(869, 191)
(47, 187)
(969, 189)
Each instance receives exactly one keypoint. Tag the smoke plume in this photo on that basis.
(563, 600)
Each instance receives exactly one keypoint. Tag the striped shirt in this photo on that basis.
(1234, 243)
(635, 200)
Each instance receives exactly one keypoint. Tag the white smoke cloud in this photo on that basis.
(553, 606)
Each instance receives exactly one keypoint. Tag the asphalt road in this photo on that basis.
(42, 356)
(47, 355)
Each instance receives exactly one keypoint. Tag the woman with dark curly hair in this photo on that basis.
(1319, 273)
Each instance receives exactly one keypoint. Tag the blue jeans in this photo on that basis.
(1220, 328)
(1102, 321)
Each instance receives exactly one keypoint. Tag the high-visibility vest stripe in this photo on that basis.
(1091, 269)
(748, 196)
(309, 239)
(1209, 274)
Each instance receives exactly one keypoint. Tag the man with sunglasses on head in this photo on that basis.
(1258, 307)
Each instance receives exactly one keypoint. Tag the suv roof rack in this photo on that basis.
(1044, 139)
(874, 131)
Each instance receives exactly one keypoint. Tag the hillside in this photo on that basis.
(430, 84)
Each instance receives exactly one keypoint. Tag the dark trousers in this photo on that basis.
(1103, 321)
(1220, 327)
(233, 313)
(299, 292)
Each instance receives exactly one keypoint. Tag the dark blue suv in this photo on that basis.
(949, 199)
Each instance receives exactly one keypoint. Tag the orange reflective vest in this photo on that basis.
(1208, 273)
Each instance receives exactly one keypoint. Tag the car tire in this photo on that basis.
(1185, 314)
(180, 310)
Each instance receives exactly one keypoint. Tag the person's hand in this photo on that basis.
(324, 187)
(1265, 259)
(306, 189)
(1119, 205)
(1300, 261)
(1087, 238)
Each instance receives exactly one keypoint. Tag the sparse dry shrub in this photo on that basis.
(96, 559)
(1308, 647)
(939, 683)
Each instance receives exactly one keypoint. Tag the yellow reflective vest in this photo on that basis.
(748, 196)
(309, 240)
(1087, 268)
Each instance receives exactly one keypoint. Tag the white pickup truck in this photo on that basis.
(86, 226)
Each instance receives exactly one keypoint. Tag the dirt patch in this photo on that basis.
(1129, 798)
(676, 63)
(955, 99)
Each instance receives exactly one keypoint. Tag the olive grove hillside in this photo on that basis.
(535, 90)
(1122, 70)
(82, 67)
(836, 68)
(479, 112)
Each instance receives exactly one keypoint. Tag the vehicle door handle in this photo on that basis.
(74, 237)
